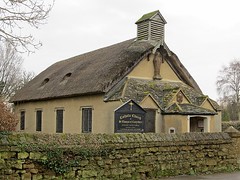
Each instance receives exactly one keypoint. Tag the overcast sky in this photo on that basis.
(204, 34)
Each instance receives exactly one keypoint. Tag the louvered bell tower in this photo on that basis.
(151, 27)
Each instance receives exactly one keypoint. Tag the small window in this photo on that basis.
(171, 130)
(65, 78)
(39, 120)
(22, 120)
(86, 120)
(67, 75)
(59, 120)
(45, 81)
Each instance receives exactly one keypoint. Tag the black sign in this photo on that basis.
(129, 118)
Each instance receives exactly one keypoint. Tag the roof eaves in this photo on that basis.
(57, 97)
(115, 89)
(192, 113)
(208, 111)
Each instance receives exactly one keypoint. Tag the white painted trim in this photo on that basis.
(206, 124)
(188, 123)
(206, 120)
(171, 128)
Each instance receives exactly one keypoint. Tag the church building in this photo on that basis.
(135, 86)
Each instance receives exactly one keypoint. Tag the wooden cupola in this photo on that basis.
(151, 27)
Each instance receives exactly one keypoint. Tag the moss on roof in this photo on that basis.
(195, 110)
(147, 16)
(163, 92)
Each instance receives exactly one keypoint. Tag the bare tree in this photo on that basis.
(228, 86)
(17, 14)
(12, 76)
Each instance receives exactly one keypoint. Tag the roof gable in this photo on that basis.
(130, 106)
(207, 104)
(164, 93)
(149, 102)
(180, 97)
(156, 15)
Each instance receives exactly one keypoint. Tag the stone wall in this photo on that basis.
(235, 124)
(116, 156)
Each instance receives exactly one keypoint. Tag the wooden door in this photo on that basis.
(150, 120)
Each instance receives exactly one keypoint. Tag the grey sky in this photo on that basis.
(205, 34)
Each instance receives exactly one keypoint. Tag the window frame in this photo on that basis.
(59, 122)
(22, 120)
(89, 119)
(39, 121)
(172, 130)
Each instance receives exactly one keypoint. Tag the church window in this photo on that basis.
(22, 120)
(59, 120)
(39, 120)
(86, 120)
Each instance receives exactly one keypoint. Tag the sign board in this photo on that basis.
(129, 118)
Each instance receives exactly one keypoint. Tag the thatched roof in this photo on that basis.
(94, 72)
(163, 93)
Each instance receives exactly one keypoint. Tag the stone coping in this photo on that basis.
(115, 140)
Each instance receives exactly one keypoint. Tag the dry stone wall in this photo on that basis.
(226, 124)
(116, 156)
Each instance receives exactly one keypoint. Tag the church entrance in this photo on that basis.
(150, 120)
(197, 124)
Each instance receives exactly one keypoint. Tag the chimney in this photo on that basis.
(151, 27)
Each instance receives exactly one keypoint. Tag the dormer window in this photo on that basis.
(45, 81)
(65, 78)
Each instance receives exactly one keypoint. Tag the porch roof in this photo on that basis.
(163, 92)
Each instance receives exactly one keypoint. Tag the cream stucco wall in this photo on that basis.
(145, 69)
(102, 114)
(181, 123)
(167, 72)
(206, 104)
(178, 122)
(218, 122)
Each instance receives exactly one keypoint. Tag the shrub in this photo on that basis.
(8, 121)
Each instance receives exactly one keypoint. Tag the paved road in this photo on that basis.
(226, 176)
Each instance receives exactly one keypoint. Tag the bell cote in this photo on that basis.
(151, 27)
